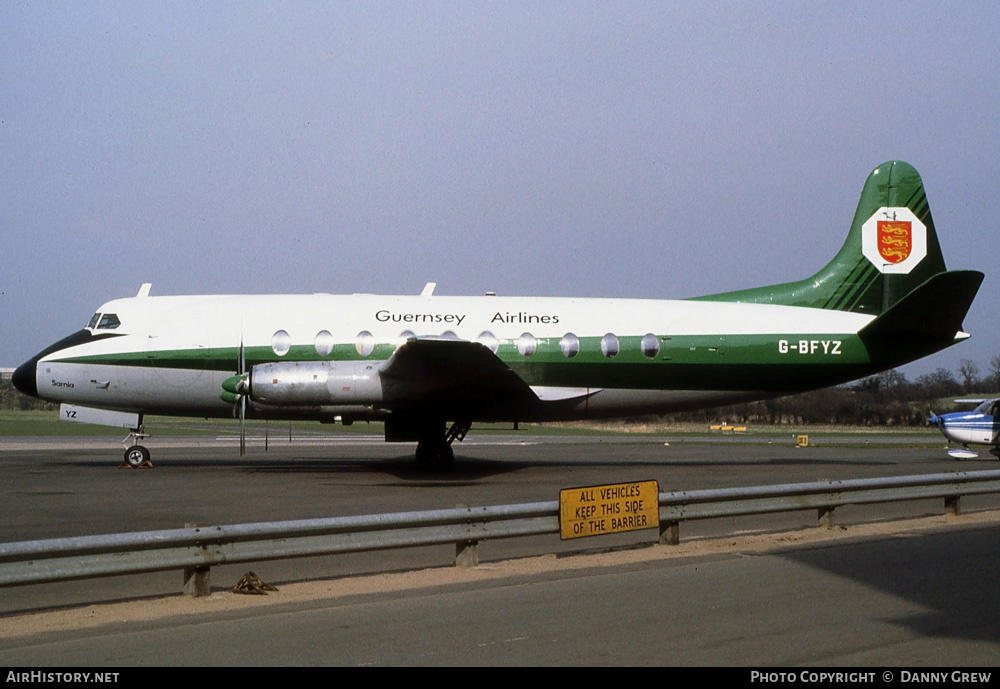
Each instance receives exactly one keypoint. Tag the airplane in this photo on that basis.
(981, 426)
(431, 366)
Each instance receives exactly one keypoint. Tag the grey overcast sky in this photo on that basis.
(621, 149)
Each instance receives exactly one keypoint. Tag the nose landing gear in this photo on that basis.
(136, 455)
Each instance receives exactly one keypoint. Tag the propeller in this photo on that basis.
(243, 398)
(235, 390)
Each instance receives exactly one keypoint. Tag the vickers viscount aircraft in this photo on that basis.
(981, 426)
(430, 366)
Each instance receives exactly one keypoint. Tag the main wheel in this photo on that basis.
(136, 456)
(434, 453)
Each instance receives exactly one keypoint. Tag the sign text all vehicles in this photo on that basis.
(595, 510)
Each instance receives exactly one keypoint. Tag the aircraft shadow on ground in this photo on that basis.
(403, 467)
(467, 468)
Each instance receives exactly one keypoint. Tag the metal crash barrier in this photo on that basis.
(197, 549)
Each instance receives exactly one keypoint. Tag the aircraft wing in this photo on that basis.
(435, 370)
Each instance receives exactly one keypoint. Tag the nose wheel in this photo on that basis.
(136, 455)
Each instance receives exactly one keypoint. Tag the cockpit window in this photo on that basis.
(93, 321)
(109, 321)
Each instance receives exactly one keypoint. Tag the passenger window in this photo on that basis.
(281, 343)
(650, 345)
(324, 343)
(609, 345)
(526, 344)
(489, 340)
(570, 345)
(365, 343)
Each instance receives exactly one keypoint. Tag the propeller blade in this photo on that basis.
(243, 397)
(243, 434)
(237, 388)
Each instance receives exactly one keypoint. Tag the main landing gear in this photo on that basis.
(136, 455)
(434, 446)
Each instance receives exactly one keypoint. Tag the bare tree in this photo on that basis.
(969, 372)
(995, 372)
(892, 378)
(941, 383)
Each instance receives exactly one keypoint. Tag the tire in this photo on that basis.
(434, 454)
(136, 456)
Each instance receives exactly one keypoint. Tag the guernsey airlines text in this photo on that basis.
(430, 366)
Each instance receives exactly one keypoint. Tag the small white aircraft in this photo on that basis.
(418, 363)
(981, 426)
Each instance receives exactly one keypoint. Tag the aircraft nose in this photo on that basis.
(24, 378)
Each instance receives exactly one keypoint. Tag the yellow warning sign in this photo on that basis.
(596, 510)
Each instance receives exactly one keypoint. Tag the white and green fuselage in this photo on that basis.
(581, 357)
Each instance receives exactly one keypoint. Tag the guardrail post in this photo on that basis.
(825, 517)
(196, 581)
(670, 533)
(467, 553)
(952, 505)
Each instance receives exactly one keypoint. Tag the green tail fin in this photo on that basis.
(891, 250)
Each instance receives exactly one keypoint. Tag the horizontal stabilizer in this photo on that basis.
(926, 319)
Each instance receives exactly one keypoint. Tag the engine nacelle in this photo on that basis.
(316, 383)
